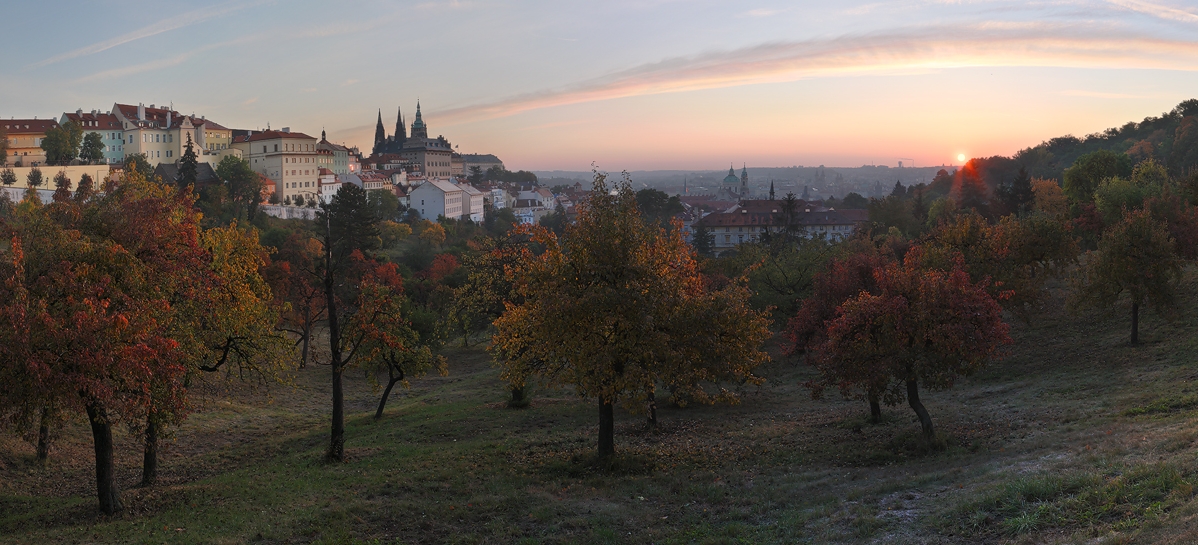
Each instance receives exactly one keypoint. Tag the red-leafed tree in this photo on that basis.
(922, 326)
(296, 283)
(845, 278)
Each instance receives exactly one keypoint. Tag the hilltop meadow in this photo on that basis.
(1075, 436)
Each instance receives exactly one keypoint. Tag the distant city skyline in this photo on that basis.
(626, 85)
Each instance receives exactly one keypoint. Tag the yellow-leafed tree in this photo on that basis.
(617, 308)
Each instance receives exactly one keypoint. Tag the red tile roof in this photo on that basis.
(94, 121)
(272, 135)
(27, 126)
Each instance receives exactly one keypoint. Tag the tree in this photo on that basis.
(1048, 198)
(476, 174)
(243, 185)
(703, 238)
(87, 315)
(61, 143)
(3, 147)
(349, 230)
(62, 187)
(433, 234)
(1136, 258)
(386, 337)
(843, 279)
(295, 280)
(8, 177)
(854, 201)
(92, 151)
(383, 203)
(188, 165)
(1082, 179)
(922, 326)
(138, 162)
(655, 205)
(1017, 195)
(617, 307)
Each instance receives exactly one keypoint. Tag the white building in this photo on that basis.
(436, 198)
(472, 205)
(290, 159)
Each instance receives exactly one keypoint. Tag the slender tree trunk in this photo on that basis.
(43, 437)
(652, 411)
(1135, 324)
(391, 381)
(110, 498)
(926, 420)
(607, 429)
(337, 433)
(149, 462)
(305, 341)
(875, 408)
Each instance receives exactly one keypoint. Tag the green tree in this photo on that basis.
(62, 187)
(702, 238)
(854, 201)
(476, 174)
(1083, 178)
(188, 165)
(243, 185)
(617, 307)
(655, 205)
(348, 231)
(3, 147)
(92, 151)
(1137, 260)
(8, 177)
(383, 203)
(61, 143)
(1017, 195)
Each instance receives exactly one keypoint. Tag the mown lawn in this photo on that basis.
(1075, 437)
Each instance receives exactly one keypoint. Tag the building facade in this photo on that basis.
(107, 126)
(25, 140)
(436, 198)
(289, 159)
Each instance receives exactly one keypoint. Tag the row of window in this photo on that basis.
(301, 184)
(297, 160)
(214, 147)
(304, 172)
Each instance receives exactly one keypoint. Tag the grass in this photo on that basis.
(1076, 436)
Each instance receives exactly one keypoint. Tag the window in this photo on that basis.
(168, 153)
(276, 147)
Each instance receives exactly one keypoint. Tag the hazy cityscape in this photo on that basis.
(658, 272)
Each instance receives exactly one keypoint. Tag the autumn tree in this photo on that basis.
(842, 279)
(617, 307)
(923, 326)
(139, 163)
(92, 151)
(62, 187)
(1048, 198)
(1136, 260)
(295, 278)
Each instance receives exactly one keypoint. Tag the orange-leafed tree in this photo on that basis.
(296, 283)
(617, 308)
(922, 327)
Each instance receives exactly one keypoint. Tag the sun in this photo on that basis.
(961, 157)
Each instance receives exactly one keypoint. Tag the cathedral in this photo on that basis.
(432, 157)
(735, 188)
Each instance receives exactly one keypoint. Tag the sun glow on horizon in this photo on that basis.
(960, 157)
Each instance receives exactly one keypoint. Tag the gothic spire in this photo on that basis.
(771, 190)
(380, 134)
(400, 131)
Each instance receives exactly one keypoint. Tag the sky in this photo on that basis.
(624, 84)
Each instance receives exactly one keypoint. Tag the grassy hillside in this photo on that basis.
(1074, 437)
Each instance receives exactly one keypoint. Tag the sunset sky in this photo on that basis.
(652, 84)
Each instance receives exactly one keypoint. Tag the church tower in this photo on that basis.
(418, 128)
(380, 134)
(771, 190)
(401, 132)
(744, 181)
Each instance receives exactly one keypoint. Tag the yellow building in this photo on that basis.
(290, 159)
(25, 140)
(161, 134)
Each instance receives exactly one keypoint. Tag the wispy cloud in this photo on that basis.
(1160, 11)
(163, 63)
(165, 25)
(1025, 44)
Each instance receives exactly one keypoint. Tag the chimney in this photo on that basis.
(168, 119)
(285, 129)
(141, 112)
(79, 111)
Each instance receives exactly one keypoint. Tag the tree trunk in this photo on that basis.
(392, 380)
(518, 400)
(110, 498)
(652, 412)
(913, 399)
(305, 341)
(875, 408)
(43, 437)
(337, 433)
(1135, 324)
(149, 462)
(607, 429)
